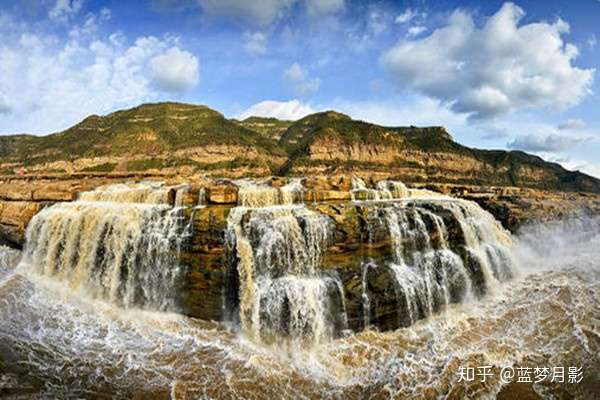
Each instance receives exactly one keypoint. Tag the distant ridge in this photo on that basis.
(194, 139)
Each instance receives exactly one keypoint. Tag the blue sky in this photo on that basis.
(505, 75)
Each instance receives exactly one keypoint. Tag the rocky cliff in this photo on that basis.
(180, 143)
(191, 140)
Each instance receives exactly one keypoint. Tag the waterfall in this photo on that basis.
(443, 251)
(119, 243)
(392, 190)
(384, 190)
(282, 292)
(292, 191)
(410, 257)
(431, 269)
(360, 191)
(145, 192)
(201, 197)
(253, 194)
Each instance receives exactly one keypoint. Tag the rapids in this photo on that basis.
(69, 335)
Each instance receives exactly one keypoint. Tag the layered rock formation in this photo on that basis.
(345, 228)
(23, 197)
(190, 140)
(275, 264)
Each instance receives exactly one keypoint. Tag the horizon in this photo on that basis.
(387, 63)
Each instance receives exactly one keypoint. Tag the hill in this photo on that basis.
(330, 142)
(150, 136)
(192, 139)
(272, 128)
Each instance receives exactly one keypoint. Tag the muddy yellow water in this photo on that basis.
(56, 343)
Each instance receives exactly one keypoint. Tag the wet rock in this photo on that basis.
(205, 260)
(222, 194)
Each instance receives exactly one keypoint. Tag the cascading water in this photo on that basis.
(282, 292)
(252, 194)
(145, 192)
(431, 269)
(201, 197)
(67, 347)
(118, 243)
(384, 190)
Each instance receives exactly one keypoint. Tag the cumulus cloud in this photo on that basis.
(493, 69)
(52, 82)
(406, 16)
(255, 43)
(419, 111)
(585, 166)
(288, 110)
(174, 70)
(416, 30)
(300, 81)
(546, 143)
(64, 9)
(571, 124)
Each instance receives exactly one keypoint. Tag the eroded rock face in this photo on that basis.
(207, 261)
(14, 217)
(358, 253)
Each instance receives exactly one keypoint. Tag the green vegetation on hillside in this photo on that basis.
(150, 129)
(271, 128)
(150, 134)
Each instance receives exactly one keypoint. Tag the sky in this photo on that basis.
(504, 75)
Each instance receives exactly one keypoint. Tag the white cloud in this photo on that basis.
(587, 167)
(406, 16)
(416, 30)
(174, 70)
(549, 143)
(294, 73)
(288, 110)
(256, 43)
(495, 69)
(254, 12)
(377, 21)
(64, 9)
(51, 82)
(419, 111)
(300, 81)
(317, 8)
(571, 124)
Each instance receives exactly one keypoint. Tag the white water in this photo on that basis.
(56, 340)
(253, 194)
(282, 292)
(430, 270)
(384, 190)
(55, 344)
(144, 192)
(124, 252)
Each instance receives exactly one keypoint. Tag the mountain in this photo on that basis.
(192, 139)
(272, 128)
(150, 136)
(330, 142)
